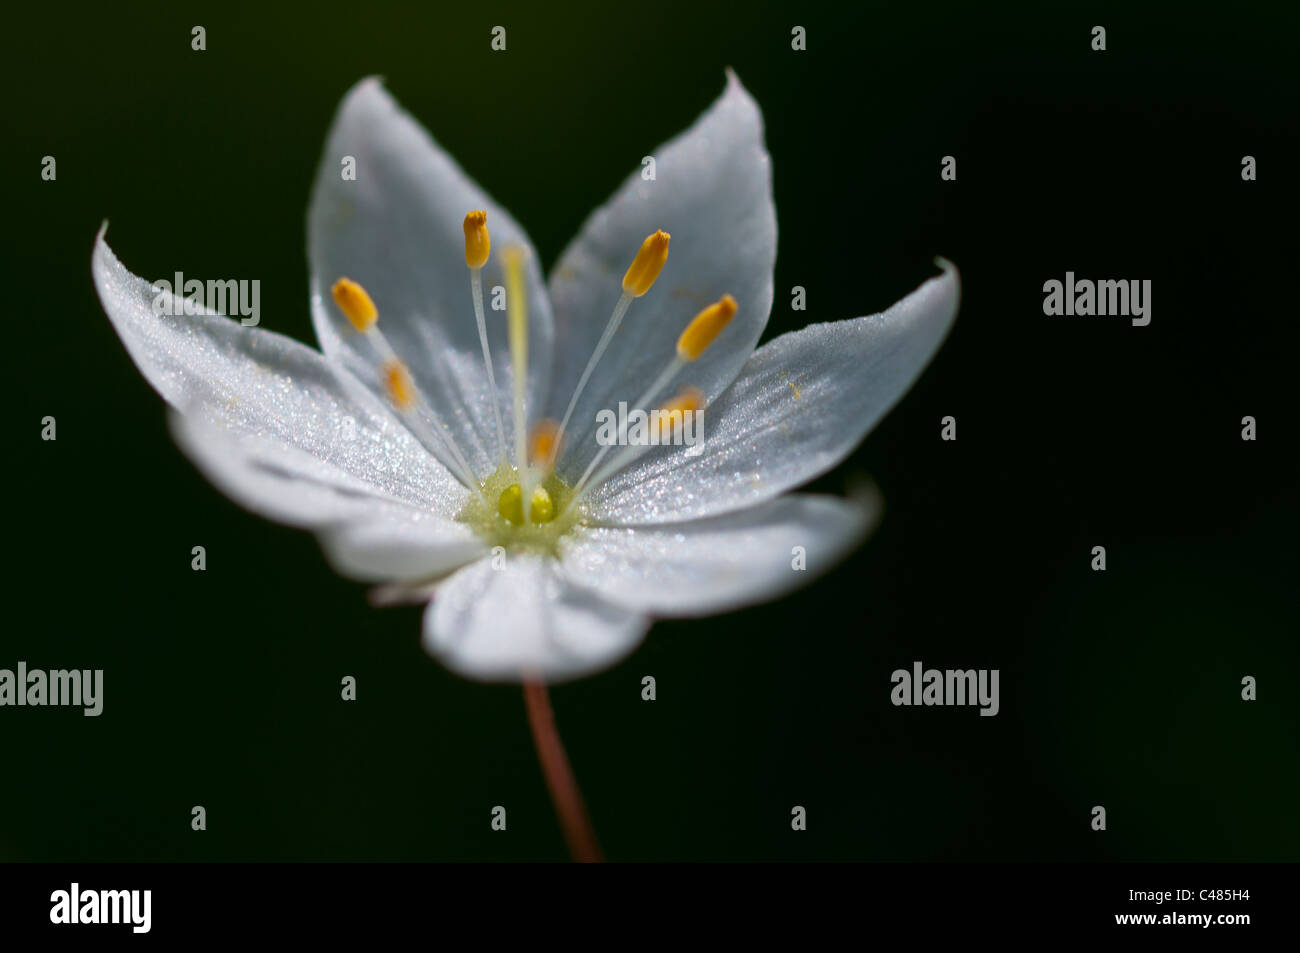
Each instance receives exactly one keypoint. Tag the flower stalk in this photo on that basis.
(569, 806)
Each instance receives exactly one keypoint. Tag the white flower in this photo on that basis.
(373, 444)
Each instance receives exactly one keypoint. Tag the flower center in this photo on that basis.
(524, 505)
(496, 514)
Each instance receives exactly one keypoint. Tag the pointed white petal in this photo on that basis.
(499, 624)
(802, 403)
(277, 478)
(719, 564)
(400, 544)
(398, 230)
(713, 193)
(366, 535)
(271, 422)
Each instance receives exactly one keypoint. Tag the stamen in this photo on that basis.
(645, 268)
(650, 393)
(355, 304)
(398, 383)
(517, 318)
(641, 274)
(706, 326)
(699, 334)
(360, 310)
(478, 243)
(672, 414)
(544, 445)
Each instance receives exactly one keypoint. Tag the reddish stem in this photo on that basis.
(569, 807)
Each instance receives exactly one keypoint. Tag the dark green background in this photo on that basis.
(1118, 688)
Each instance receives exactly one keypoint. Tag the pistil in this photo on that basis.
(517, 318)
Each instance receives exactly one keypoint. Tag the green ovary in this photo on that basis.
(499, 518)
(511, 505)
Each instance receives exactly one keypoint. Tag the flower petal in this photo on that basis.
(397, 228)
(719, 564)
(802, 403)
(367, 536)
(400, 544)
(713, 193)
(270, 420)
(500, 624)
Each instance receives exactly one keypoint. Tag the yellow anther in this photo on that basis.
(355, 304)
(477, 240)
(646, 266)
(704, 327)
(398, 384)
(544, 445)
(511, 505)
(673, 413)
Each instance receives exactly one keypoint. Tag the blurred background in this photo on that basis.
(1119, 689)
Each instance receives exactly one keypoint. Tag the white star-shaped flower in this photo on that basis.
(449, 450)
